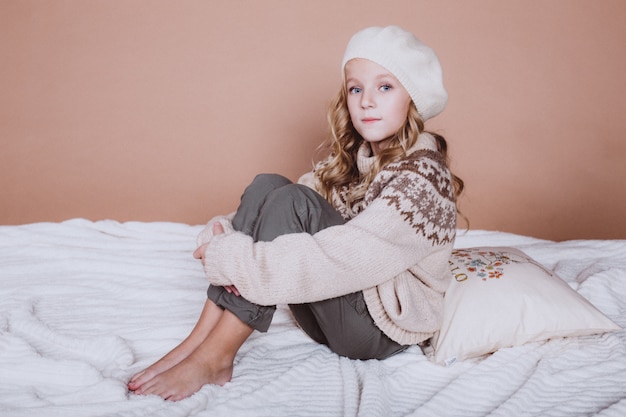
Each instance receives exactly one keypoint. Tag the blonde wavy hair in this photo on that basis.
(341, 170)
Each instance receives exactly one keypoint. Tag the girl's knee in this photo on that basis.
(291, 195)
(295, 208)
(253, 199)
(269, 182)
(285, 210)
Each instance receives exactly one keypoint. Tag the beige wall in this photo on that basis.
(163, 110)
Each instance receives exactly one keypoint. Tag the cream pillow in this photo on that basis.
(500, 297)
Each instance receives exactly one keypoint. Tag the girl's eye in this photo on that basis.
(354, 90)
(386, 87)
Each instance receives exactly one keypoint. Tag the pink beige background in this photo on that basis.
(157, 110)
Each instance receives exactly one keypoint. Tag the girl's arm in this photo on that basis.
(409, 220)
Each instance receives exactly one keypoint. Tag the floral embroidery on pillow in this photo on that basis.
(481, 263)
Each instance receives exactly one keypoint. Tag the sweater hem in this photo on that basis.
(387, 326)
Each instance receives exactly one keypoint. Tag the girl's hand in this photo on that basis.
(199, 254)
(218, 229)
(232, 290)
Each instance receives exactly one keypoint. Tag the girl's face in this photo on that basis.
(377, 102)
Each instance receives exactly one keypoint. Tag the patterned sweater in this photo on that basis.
(394, 247)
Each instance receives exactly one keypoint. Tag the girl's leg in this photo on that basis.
(346, 327)
(246, 219)
(270, 207)
(343, 323)
(221, 312)
(253, 199)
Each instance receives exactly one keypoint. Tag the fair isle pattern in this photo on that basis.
(339, 198)
(340, 202)
(419, 188)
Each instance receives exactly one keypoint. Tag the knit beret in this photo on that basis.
(413, 63)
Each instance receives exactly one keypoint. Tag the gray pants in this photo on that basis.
(272, 206)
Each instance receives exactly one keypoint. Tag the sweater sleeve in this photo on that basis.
(206, 234)
(404, 223)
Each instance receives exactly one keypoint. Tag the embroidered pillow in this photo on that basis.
(500, 297)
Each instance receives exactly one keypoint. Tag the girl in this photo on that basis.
(358, 248)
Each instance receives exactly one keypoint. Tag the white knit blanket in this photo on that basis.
(84, 305)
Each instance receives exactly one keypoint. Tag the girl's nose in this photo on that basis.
(367, 101)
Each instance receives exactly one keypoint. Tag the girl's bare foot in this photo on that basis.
(208, 318)
(210, 363)
(187, 377)
(168, 361)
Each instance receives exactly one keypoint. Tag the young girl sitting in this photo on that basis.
(358, 249)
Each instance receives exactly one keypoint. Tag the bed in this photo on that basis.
(84, 305)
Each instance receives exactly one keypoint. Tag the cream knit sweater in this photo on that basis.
(395, 248)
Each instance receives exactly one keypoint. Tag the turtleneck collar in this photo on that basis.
(365, 159)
